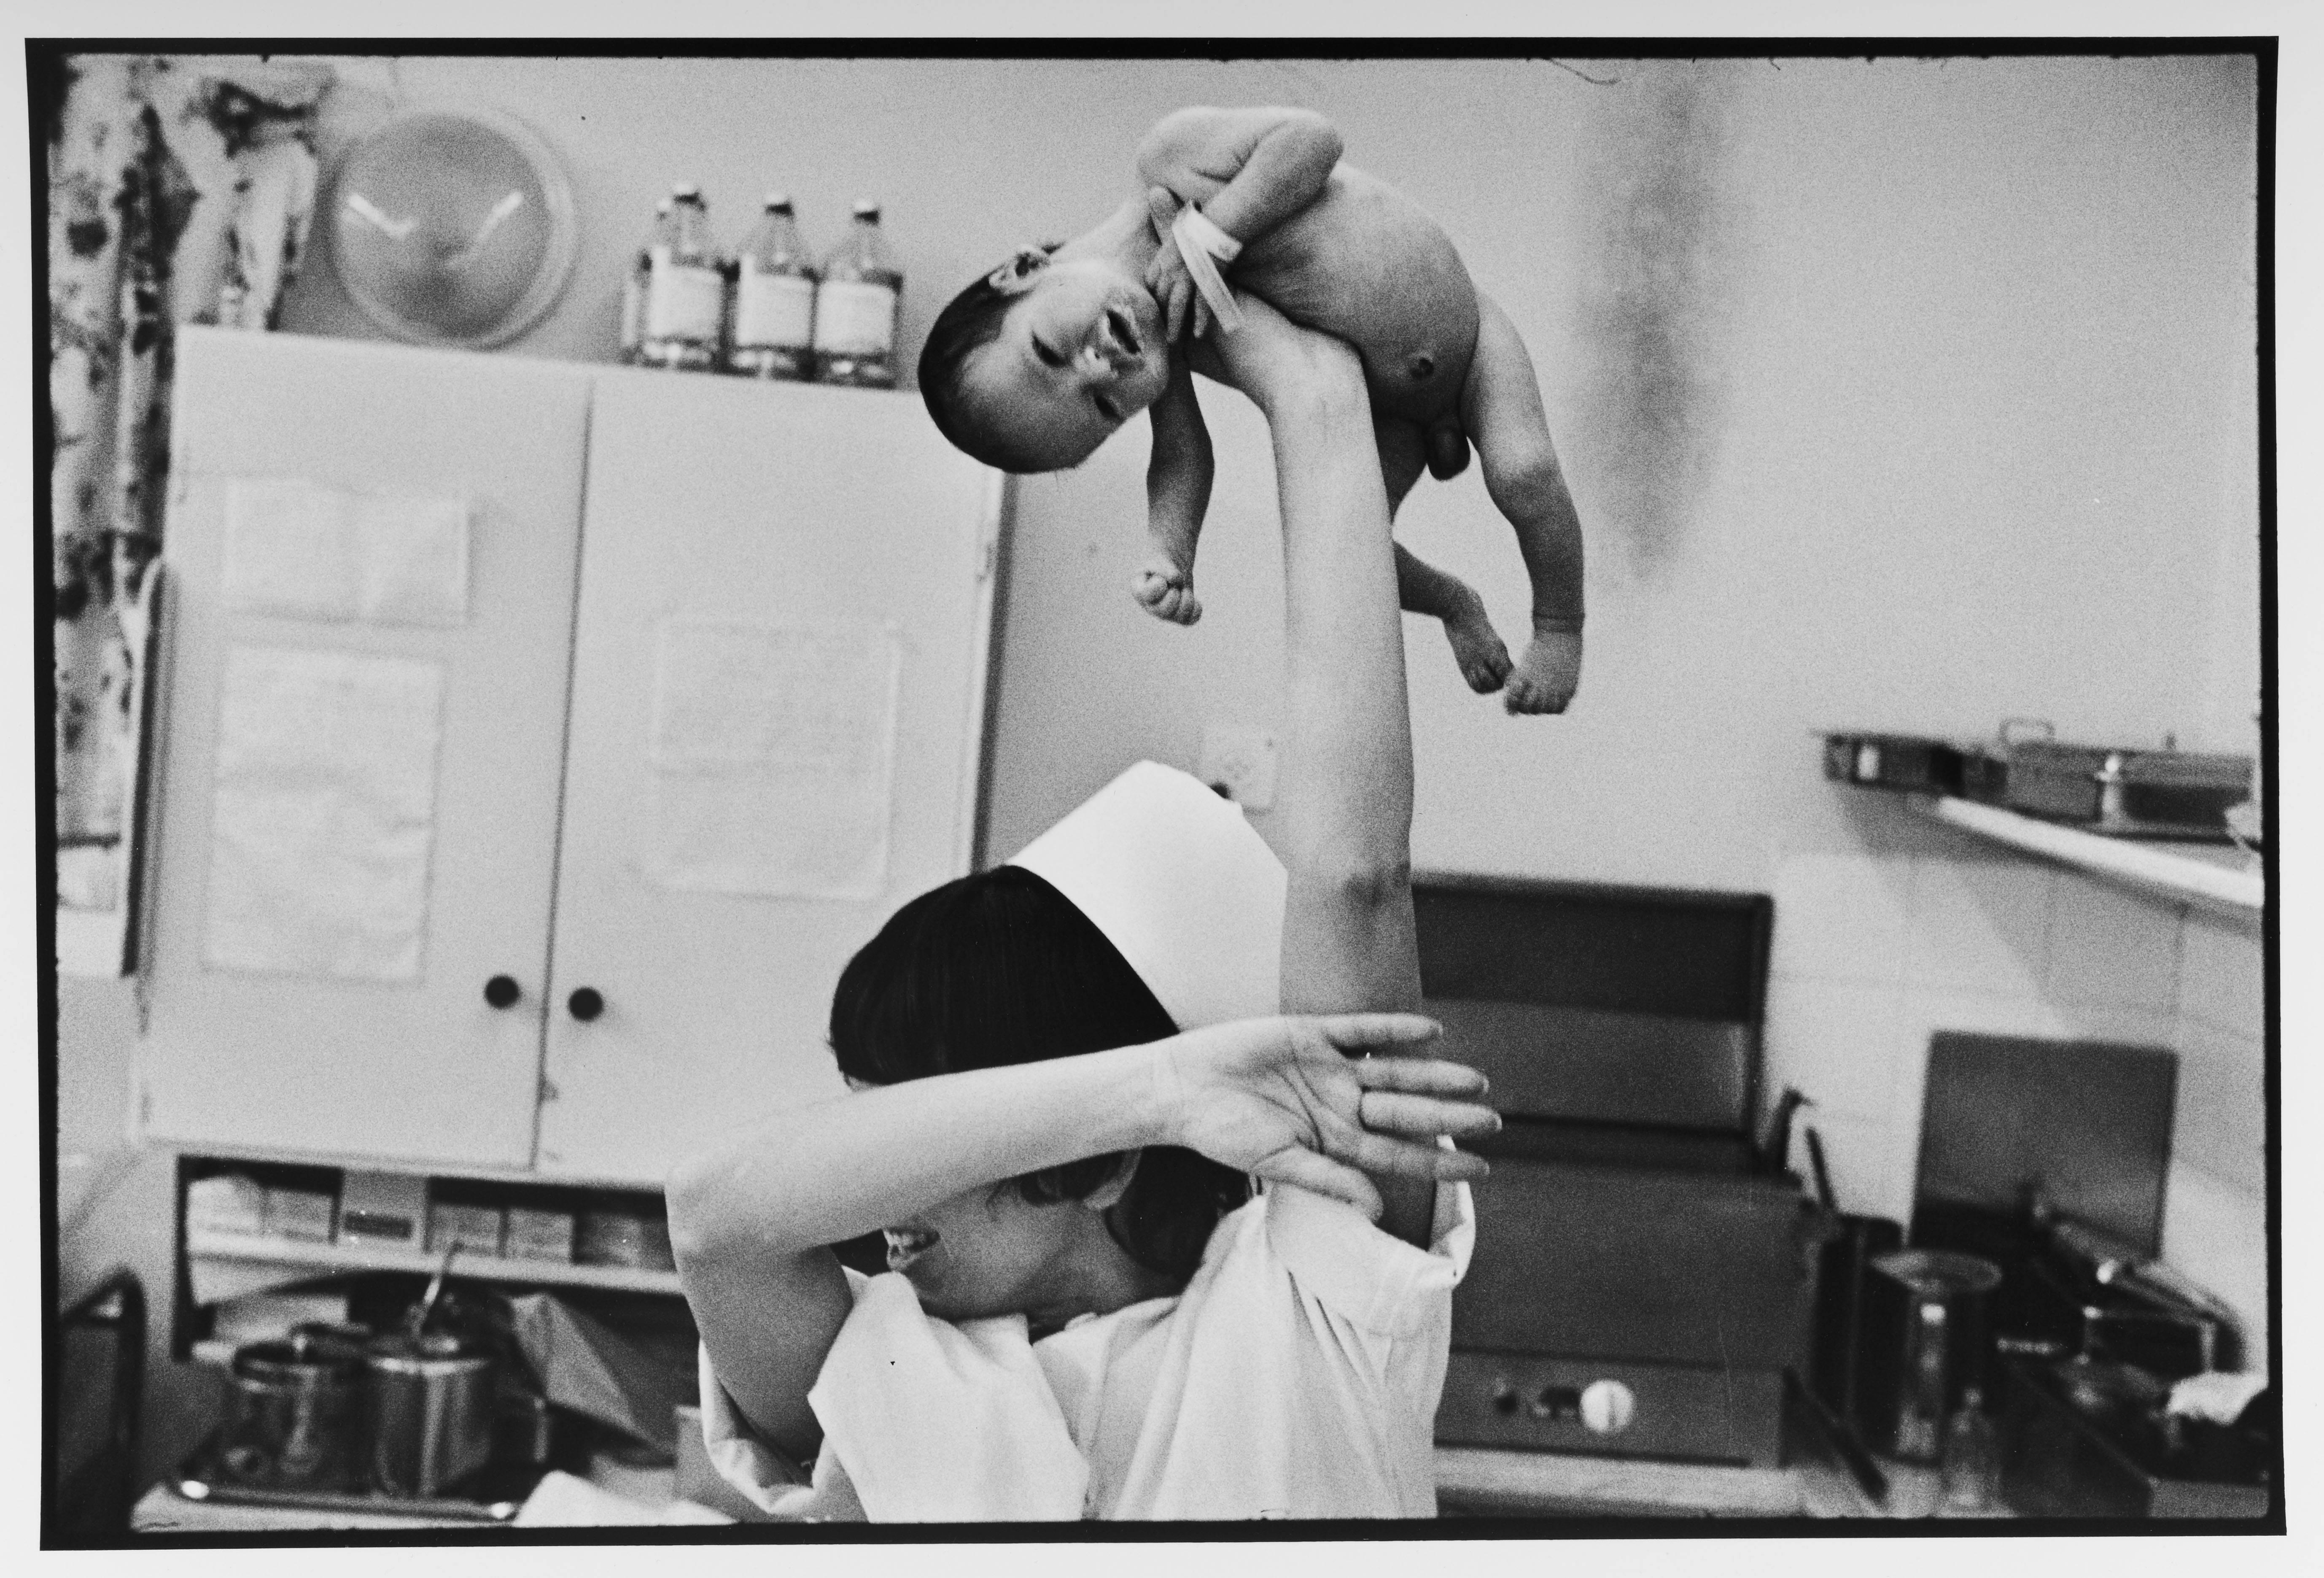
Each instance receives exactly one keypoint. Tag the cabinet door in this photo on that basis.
(756, 526)
(420, 1069)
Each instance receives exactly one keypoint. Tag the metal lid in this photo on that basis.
(1934, 1273)
(432, 1353)
(335, 1339)
(867, 209)
(778, 202)
(295, 1361)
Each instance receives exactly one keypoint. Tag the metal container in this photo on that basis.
(2153, 794)
(1924, 1343)
(296, 1417)
(1895, 761)
(432, 1409)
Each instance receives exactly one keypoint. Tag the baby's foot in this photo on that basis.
(1166, 592)
(1546, 676)
(1484, 660)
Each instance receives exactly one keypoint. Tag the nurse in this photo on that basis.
(1066, 1072)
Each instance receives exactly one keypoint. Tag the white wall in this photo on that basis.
(1957, 354)
(1900, 394)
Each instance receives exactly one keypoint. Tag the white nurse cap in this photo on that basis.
(1181, 886)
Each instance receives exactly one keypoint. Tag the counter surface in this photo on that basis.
(1471, 1482)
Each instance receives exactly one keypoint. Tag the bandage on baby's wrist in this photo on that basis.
(1193, 223)
(1193, 234)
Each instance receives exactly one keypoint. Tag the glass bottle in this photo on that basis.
(774, 299)
(686, 289)
(633, 286)
(856, 307)
(1972, 1462)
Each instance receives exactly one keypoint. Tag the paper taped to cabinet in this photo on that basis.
(323, 813)
(301, 550)
(771, 757)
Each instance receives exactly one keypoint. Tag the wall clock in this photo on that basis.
(452, 226)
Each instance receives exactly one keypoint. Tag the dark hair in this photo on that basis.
(969, 322)
(1000, 968)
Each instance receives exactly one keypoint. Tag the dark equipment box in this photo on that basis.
(1643, 1275)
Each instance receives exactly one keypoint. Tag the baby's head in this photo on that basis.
(1034, 365)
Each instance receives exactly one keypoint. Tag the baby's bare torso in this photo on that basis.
(1363, 264)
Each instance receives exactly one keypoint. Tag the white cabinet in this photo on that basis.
(608, 506)
(420, 1069)
(751, 507)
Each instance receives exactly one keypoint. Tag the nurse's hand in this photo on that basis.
(1283, 1099)
(1276, 362)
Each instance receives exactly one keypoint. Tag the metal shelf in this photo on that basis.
(2217, 875)
(325, 1259)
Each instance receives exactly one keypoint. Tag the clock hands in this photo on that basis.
(500, 211)
(363, 208)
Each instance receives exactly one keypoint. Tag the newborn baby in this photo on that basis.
(1034, 365)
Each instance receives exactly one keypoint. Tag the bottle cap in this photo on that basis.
(867, 209)
(778, 202)
(686, 191)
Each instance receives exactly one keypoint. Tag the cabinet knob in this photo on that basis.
(501, 991)
(586, 1003)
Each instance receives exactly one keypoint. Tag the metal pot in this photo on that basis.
(431, 1413)
(1923, 1343)
(296, 1418)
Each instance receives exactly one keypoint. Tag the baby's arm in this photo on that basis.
(1249, 169)
(1177, 494)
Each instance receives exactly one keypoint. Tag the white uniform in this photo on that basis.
(1297, 1376)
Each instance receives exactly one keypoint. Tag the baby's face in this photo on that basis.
(1080, 353)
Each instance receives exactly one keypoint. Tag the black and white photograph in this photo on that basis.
(1508, 788)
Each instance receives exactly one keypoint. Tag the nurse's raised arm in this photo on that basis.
(1345, 799)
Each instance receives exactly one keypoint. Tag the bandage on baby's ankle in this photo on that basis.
(1200, 241)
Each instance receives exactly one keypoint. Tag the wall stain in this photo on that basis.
(1656, 284)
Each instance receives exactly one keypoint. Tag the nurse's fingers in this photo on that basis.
(1372, 1032)
(1411, 1159)
(1310, 1170)
(1427, 1077)
(1161, 210)
(1424, 1117)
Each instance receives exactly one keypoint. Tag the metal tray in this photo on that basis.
(495, 1495)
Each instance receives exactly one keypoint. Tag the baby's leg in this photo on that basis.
(1501, 407)
(1420, 586)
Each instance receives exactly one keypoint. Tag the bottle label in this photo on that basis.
(774, 309)
(685, 301)
(855, 318)
(633, 313)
